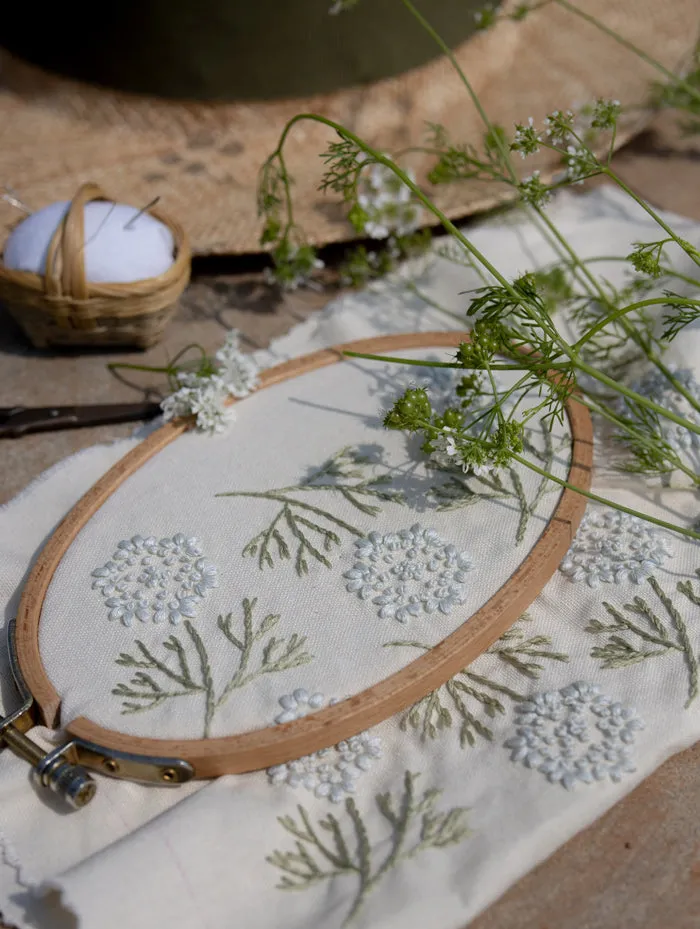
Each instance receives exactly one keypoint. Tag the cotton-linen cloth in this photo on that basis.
(214, 854)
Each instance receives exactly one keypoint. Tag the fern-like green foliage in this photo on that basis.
(645, 630)
(158, 680)
(303, 530)
(472, 697)
(346, 847)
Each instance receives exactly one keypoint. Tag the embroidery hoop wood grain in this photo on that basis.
(262, 748)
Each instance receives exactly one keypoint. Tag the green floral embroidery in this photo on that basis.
(256, 652)
(345, 474)
(462, 490)
(471, 692)
(648, 635)
(323, 852)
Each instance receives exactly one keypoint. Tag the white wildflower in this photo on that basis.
(527, 139)
(238, 371)
(206, 397)
(445, 450)
(201, 397)
(578, 163)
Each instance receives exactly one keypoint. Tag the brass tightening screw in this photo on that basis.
(51, 770)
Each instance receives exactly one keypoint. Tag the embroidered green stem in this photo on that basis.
(344, 474)
(207, 680)
(412, 815)
(432, 715)
(145, 693)
(620, 651)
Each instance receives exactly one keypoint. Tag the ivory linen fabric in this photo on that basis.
(429, 817)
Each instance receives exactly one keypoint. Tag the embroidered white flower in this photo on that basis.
(205, 396)
(409, 572)
(299, 703)
(387, 202)
(575, 734)
(332, 772)
(613, 547)
(155, 579)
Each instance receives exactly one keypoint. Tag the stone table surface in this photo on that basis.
(638, 867)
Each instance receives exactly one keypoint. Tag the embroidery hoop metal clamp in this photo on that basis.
(64, 769)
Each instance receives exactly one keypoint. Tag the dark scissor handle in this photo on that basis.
(19, 420)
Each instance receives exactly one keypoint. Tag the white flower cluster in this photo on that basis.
(205, 397)
(575, 735)
(527, 139)
(409, 572)
(332, 772)
(579, 163)
(155, 579)
(614, 547)
(447, 454)
(388, 203)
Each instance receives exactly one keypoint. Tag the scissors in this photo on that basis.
(16, 421)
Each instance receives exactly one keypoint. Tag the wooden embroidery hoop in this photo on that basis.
(250, 751)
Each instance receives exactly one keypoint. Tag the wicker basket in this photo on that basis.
(63, 308)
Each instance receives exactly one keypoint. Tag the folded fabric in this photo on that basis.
(566, 713)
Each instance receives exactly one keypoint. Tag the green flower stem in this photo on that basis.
(170, 369)
(601, 410)
(586, 369)
(690, 533)
(692, 91)
(689, 250)
(681, 530)
(573, 256)
(122, 365)
(449, 364)
(623, 311)
(429, 300)
(447, 51)
(666, 272)
(450, 227)
(631, 394)
(673, 380)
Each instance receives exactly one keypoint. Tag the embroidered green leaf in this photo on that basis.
(638, 633)
(311, 530)
(412, 825)
(470, 696)
(256, 652)
(462, 490)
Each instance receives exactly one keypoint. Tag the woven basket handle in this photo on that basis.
(65, 259)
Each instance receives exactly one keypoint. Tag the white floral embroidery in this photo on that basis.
(332, 772)
(408, 572)
(613, 547)
(575, 734)
(155, 579)
(298, 704)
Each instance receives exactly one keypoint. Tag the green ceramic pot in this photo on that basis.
(231, 49)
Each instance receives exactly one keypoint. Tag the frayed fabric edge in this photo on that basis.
(60, 466)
